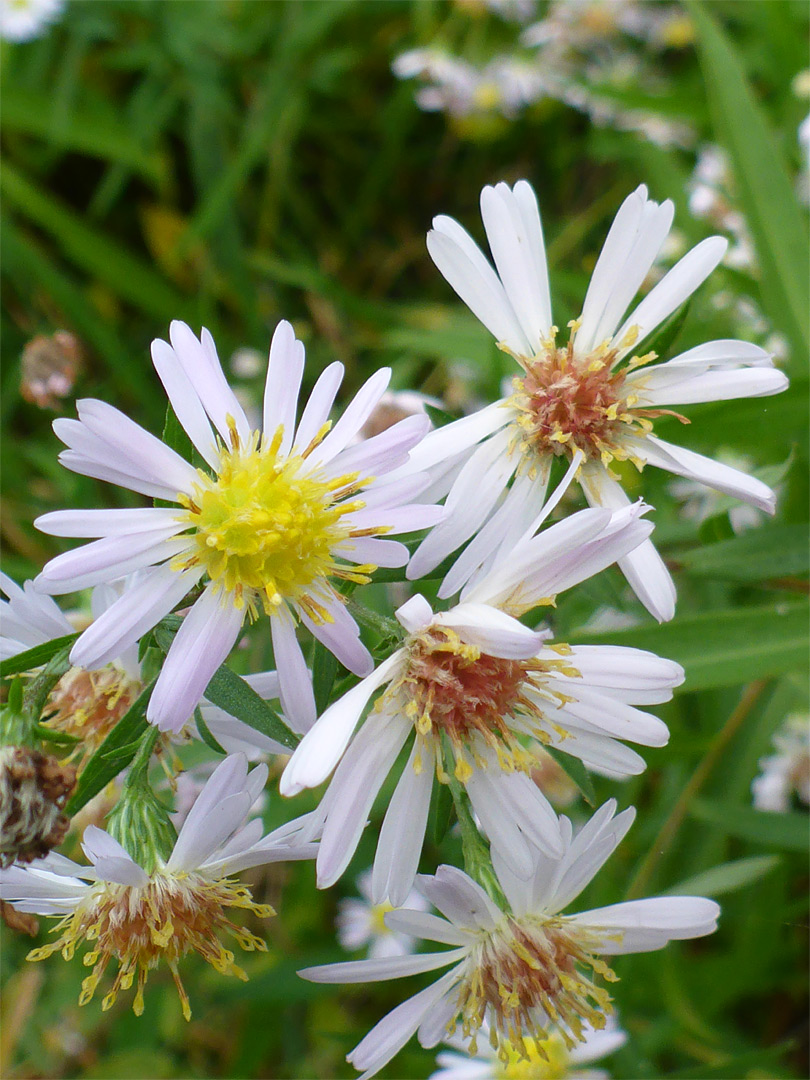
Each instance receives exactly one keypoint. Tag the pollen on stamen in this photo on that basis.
(173, 915)
(480, 706)
(528, 973)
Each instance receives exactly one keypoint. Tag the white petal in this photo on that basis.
(353, 790)
(681, 281)
(184, 401)
(460, 899)
(492, 631)
(466, 269)
(138, 610)
(98, 523)
(284, 372)
(384, 452)
(317, 409)
(647, 925)
(322, 746)
(294, 680)
(226, 780)
(353, 417)
(342, 638)
(415, 614)
(388, 967)
(421, 924)
(111, 861)
(643, 567)
(199, 360)
(202, 643)
(107, 559)
(723, 478)
(394, 1030)
(403, 831)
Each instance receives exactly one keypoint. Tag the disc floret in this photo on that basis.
(265, 526)
(527, 973)
(478, 702)
(567, 402)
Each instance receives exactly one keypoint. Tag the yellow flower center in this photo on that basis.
(176, 913)
(527, 973)
(377, 913)
(266, 525)
(548, 1059)
(566, 403)
(456, 690)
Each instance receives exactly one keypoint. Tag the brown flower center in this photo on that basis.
(88, 704)
(477, 701)
(176, 913)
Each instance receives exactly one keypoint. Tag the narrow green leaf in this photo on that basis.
(576, 771)
(38, 689)
(35, 657)
(724, 648)
(114, 754)
(205, 732)
(103, 136)
(440, 815)
(773, 551)
(238, 698)
(726, 878)
(90, 249)
(324, 670)
(174, 435)
(788, 832)
(766, 194)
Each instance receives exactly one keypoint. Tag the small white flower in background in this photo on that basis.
(478, 690)
(122, 913)
(787, 772)
(275, 517)
(24, 20)
(512, 10)
(362, 922)
(548, 1059)
(710, 199)
(595, 396)
(514, 969)
(393, 406)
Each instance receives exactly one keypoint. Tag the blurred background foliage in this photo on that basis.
(232, 163)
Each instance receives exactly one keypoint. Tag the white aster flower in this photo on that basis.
(700, 503)
(548, 1059)
(24, 20)
(514, 968)
(594, 396)
(361, 922)
(266, 526)
(788, 770)
(138, 918)
(472, 685)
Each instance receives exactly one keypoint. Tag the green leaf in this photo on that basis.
(755, 1063)
(238, 698)
(35, 657)
(114, 754)
(766, 194)
(205, 732)
(773, 551)
(788, 832)
(38, 689)
(103, 136)
(723, 648)
(440, 816)
(726, 878)
(573, 768)
(439, 417)
(667, 334)
(324, 670)
(128, 277)
(174, 435)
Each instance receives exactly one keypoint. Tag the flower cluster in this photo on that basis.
(270, 531)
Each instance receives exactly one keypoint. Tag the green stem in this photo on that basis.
(477, 859)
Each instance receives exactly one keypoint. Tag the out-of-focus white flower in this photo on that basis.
(512, 10)
(788, 770)
(24, 20)
(595, 396)
(361, 922)
(137, 918)
(514, 968)
(548, 1059)
(711, 199)
(269, 526)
